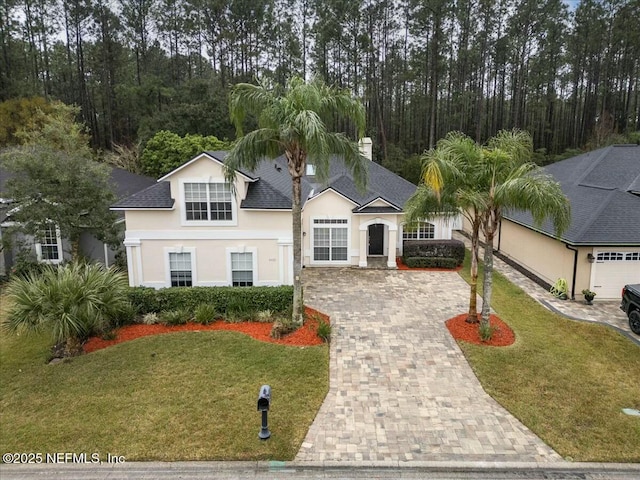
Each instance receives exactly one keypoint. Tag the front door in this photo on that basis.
(376, 239)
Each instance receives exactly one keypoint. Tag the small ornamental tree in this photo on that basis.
(54, 180)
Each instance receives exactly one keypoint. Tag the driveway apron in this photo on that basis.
(400, 387)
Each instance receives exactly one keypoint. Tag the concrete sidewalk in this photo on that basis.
(324, 470)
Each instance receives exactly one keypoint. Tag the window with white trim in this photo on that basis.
(633, 256)
(330, 240)
(242, 269)
(49, 248)
(208, 201)
(610, 256)
(180, 270)
(424, 231)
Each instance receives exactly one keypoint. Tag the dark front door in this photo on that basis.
(376, 239)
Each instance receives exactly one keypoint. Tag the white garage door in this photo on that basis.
(612, 270)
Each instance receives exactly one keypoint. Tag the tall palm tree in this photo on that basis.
(449, 187)
(510, 181)
(293, 121)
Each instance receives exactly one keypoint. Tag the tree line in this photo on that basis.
(421, 67)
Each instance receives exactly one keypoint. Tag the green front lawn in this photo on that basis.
(567, 381)
(181, 396)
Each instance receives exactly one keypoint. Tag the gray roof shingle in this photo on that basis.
(599, 185)
(271, 188)
(157, 195)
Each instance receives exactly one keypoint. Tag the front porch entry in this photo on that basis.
(378, 243)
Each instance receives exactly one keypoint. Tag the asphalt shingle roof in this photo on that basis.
(157, 195)
(599, 185)
(271, 188)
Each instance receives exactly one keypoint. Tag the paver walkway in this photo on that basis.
(400, 387)
(607, 312)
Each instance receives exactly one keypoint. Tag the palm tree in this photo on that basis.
(510, 181)
(293, 121)
(481, 182)
(449, 187)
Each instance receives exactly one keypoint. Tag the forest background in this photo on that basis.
(568, 72)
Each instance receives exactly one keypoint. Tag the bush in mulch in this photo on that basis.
(303, 336)
(470, 332)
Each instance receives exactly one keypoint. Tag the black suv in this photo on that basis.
(631, 306)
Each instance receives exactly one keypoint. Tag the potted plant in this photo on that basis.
(588, 296)
(560, 289)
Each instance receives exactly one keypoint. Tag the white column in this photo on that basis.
(132, 252)
(363, 248)
(391, 257)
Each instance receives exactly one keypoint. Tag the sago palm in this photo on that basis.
(292, 121)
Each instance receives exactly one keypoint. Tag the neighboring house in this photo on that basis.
(52, 247)
(601, 249)
(192, 229)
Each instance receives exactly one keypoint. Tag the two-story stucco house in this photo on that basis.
(192, 229)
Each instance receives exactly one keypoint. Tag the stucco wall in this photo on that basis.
(211, 260)
(546, 257)
(329, 205)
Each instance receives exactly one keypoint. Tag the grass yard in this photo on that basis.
(181, 396)
(565, 380)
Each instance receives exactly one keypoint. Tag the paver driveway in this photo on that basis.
(401, 388)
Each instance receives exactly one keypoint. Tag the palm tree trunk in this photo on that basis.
(487, 284)
(472, 317)
(298, 302)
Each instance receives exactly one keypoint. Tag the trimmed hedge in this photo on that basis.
(147, 300)
(430, 262)
(452, 249)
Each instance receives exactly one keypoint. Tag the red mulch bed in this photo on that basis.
(304, 336)
(402, 266)
(461, 330)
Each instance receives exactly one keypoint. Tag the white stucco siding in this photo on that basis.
(210, 261)
(329, 205)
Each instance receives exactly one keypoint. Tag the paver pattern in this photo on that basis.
(400, 387)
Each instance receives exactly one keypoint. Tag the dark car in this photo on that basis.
(631, 306)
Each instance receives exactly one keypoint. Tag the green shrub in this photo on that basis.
(435, 249)
(324, 331)
(430, 262)
(254, 299)
(26, 264)
(126, 317)
(73, 302)
(486, 331)
(179, 316)
(239, 311)
(206, 313)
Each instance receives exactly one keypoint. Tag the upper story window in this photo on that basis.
(208, 202)
(424, 231)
